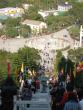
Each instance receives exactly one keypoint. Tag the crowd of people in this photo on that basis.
(65, 96)
(29, 87)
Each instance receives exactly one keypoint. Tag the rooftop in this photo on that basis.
(34, 22)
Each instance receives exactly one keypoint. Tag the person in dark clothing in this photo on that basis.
(26, 92)
(72, 103)
(56, 93)
(33, 86)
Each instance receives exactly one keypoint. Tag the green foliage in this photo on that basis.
(62, 64)
(29, 56)
(3, 3)
(11, 3)
(57, 61)
(11, 27)
(32, 13)
(3, 63)
(74, 32)
(11, 32)
(56, 23)
(77, 12)
(12, 22)
(43, 4)
(75, 54)
(25, 31)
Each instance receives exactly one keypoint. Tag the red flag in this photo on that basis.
(8, 70)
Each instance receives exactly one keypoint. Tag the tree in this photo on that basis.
(56, 23)
(11, 3)
(10, 28)
(75, 55)
(74, 32)
(25, 31)
(12, 22)
(29, 56)
(62, 64)
(32, 13)
(3, 63)
(56, 62)
(11, 32)
(76, 11)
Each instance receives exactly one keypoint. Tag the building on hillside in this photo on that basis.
(64, 7)
(11, 11)
(46, 13)
(36, 26)
(81, 36)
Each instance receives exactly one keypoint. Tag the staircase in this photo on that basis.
(40, 101)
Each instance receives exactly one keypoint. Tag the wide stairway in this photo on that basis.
(40, 101)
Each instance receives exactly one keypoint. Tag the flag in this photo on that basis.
(16, 73)
(29, 71)
(22, 68)
(8, 70)
(33, 73)
(81, 65)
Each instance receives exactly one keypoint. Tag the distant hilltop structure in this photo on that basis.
(36, 26)
(64, 7)
(61, 8)
(11, 12)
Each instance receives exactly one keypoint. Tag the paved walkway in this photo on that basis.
(41, 102)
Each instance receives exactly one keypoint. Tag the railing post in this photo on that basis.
(15, 104)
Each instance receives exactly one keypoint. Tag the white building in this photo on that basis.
(81, 36)
(46, 13)
(12, 12)
(64, 7)
(36, 26)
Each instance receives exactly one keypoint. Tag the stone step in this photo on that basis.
(39, 105)
(38, 109)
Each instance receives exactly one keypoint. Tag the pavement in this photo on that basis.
(55, 40)
(41, 101)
